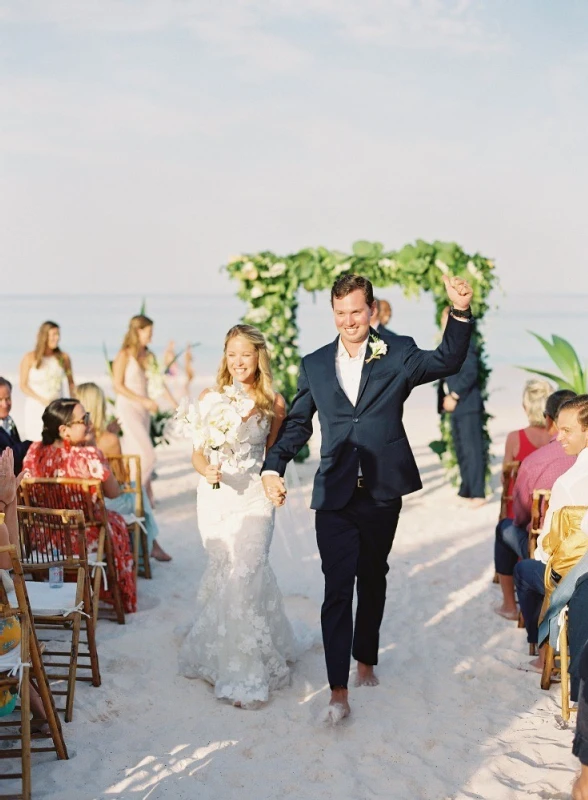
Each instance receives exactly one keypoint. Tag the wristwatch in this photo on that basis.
(461, 313)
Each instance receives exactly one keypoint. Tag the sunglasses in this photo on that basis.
(85, 420)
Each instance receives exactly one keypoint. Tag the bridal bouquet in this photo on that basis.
(215, 426)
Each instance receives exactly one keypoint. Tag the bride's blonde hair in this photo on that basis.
(264, 394)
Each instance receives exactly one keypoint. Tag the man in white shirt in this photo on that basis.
(570, 489)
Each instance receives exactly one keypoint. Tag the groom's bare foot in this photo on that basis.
(338, 707)
(366, 675)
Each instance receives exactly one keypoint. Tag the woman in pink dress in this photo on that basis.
(62, 454)
(139, 385)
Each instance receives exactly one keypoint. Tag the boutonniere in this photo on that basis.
(378, 347)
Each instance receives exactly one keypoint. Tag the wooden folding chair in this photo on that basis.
(541, 498)
(50, 538)
(127, 470)
(28, 667)
(79, 494)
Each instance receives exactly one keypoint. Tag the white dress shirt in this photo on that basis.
(348, 369)
(570, 489)
(7, 424)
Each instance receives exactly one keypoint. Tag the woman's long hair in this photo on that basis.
(42, 339)
(131, 340)
(59, 412)
(91, 396)
(264, 396)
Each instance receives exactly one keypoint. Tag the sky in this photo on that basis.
(144, 142)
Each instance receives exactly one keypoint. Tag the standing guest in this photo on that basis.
(131, 368)
(63, 453)
(460, 396)
(380, 317)
(571, 489)
(539, 470)
(519, 444)
(107, 441)
(42, 374)
(9, 436)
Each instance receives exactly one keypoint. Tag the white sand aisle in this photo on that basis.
(452, 718)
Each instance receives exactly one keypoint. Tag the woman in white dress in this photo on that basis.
(139, 385)
(43, 373)
(241, 640)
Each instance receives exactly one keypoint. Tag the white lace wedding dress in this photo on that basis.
(241, 640)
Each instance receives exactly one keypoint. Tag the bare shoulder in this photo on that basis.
(28, 358)
(65, 359)
(279, 406)
(204, 392)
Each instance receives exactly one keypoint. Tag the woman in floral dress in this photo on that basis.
(62, 454)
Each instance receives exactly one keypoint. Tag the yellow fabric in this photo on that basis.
(565, 544)
(9, 639)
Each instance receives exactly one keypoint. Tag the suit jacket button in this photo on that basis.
(355, 419)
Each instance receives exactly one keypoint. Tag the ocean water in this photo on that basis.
(90, 323)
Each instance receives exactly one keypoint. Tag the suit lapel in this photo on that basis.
(367, 368)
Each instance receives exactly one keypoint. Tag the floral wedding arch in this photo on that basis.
(269, 284)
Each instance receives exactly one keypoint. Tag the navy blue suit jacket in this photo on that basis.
(19, 449)
(371, 433)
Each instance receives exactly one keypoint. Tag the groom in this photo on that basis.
(358, 385)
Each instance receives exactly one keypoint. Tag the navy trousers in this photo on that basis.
(466, 430)
(354, 542)
(530, 582)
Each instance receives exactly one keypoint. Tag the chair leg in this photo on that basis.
(91, 636)
(73, 668)
(25, 722)
(113, 582)
(565, 675)
(135, 532)
(145, 551)
(547, 667)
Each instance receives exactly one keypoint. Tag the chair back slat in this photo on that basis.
(539, 506)
(509, 476)
(83, 494)
(50, 537)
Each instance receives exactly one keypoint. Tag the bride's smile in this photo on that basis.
(242, 360)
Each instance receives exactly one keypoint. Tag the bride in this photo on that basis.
(240, 641)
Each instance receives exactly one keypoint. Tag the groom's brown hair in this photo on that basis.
(349, 283)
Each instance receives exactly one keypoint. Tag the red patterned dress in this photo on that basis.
(46, 461)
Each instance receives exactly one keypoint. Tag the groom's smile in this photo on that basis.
(352, 318)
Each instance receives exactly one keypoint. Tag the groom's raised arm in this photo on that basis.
(423, 366)
(296, 429)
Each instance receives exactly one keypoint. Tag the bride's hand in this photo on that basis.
(213, 474)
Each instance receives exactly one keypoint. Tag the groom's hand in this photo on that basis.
(458, 291)
(275, 489)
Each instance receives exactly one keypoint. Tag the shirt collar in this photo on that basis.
(7, 424)
(583, 456)
(342, 352)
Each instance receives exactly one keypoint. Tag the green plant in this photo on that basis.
(269, 284)
(565, 358)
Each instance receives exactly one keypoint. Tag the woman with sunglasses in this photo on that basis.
(63, 453)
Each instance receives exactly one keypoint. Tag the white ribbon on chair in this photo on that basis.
(560, 621)
(131, 519)
(12, 664)
(75, 610)
(101, 565)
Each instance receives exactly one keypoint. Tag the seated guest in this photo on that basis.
(62, 452)
(461, 398)
(570, 489)
(10, 626)
(519, 444)
(92, 398)
(8, 431)
(539, 470)
(580, 746)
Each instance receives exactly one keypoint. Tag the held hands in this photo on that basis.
(275, 489)
(459, 292)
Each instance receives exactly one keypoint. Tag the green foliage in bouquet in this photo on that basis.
(565, 358)
(269, 284)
